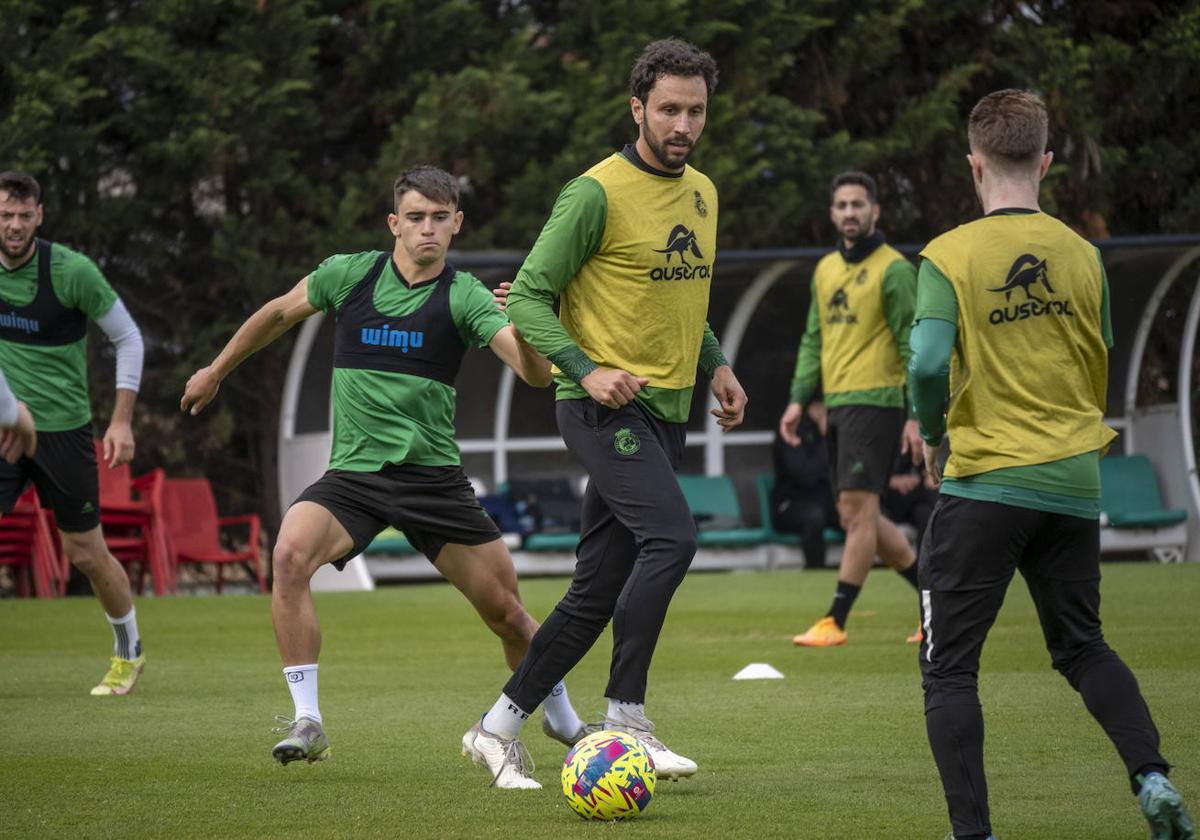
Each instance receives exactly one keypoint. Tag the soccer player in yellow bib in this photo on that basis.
(628, 250)
(855, 345)
(1022, 483)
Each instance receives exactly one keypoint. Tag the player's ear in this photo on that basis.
(638, 109)
(1044, 166)
(458, 220)
(393, 222)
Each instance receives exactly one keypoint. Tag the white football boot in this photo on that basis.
(667, 764)
(508, 760)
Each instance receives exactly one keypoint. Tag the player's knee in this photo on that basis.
(509, 619)
(291, 563)
(84, 557)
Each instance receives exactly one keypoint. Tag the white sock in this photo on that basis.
(302, 683)
(621, 711)
(505, 719)
(560, 712)
(127, 644)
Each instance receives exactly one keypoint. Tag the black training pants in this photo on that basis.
(637, 540)
(970, 551)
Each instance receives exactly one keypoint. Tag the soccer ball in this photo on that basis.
(608, 776)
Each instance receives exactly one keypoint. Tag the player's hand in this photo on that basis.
(731, 397)
(613, 387)
(20, 441)
(910, 441)
(789, 422)
(200, 390)
(933, 468)
(118, 444)
(500, 295)
(904, 483)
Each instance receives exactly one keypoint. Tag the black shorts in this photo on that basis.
(63, 469)
(433, 506)
(864, 441)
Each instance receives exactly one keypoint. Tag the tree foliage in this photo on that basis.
(208, 153)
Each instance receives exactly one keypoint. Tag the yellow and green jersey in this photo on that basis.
(855, 344)
(382, 416)
(628, 251)
(1024, 301)
(50, 377)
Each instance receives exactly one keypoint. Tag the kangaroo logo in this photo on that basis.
(680, 241)
(1025, 271)
(839, 300)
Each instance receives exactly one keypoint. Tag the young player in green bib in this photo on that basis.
(1010, 365)
(628, 251)
(854, 346)
(48, 294)
(404, 319)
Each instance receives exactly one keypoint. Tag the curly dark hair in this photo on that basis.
(671, 57)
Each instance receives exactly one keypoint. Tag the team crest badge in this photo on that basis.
(701, 207)
(626, 442)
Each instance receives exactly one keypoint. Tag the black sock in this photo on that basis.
(843, 600)
(910, 575)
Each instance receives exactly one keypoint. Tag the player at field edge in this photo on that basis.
(628, 251)
(48, 293)
(855, 346)
(1022, 483)
(405, 318)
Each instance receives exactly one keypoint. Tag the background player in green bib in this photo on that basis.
(628, 251)
(1010, 359)
(48, 293)
(18, 435)
(856, 345)
(405, 318)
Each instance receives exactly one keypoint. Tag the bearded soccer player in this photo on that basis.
(1022, 484)
(856, 345)
(48, 293)
(405, 318)
(628, 251)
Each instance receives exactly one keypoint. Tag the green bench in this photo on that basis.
(713, 501)
(1132, 512)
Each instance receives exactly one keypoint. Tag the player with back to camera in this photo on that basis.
(1022, 484)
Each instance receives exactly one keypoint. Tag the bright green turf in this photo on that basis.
(835, 750)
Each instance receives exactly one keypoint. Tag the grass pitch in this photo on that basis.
(835, 750)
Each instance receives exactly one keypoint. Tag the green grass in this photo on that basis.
(835, 750)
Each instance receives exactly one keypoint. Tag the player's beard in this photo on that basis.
(662, 155)
(862, 233)
(21, 253)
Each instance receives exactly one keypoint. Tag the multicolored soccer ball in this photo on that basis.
(608, 776)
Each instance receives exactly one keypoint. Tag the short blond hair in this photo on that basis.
(1009, 127)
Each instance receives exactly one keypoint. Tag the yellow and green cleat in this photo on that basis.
(122, 676)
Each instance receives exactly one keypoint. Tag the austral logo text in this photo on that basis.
(1028, 271)
(388, 337)
(681, 241)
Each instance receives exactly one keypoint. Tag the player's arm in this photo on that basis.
(518, 354)
(807, 373)
(731, 397)
(570, 237)
(123, 332)
(932, 343)
(899, 307)
(18, 438)
(260, 329)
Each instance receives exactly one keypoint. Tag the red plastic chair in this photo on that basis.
(27, 544)
(135, 529)
(195, 529)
